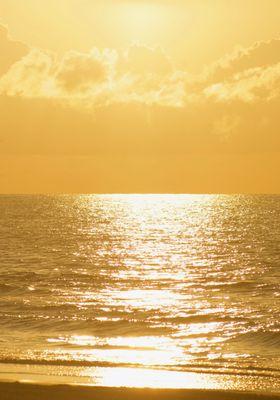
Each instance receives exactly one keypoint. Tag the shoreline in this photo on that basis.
(96, 377)
(31, 391)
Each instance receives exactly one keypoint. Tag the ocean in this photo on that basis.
(151, 290)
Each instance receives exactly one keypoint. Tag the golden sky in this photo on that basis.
(139, 96)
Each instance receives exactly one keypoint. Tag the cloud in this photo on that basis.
(29, 77)
(247, 75)
(133, 114)
(214, 102)
(139, 74)
(96, 78)
(79, 71)
(260, 55)
(146, 75)
(143, 60)
(10, 50)
(250, 86)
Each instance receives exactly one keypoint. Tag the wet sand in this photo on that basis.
(25, 391)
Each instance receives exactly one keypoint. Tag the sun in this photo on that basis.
(142, 21)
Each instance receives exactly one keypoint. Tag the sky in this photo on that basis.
(127, 96)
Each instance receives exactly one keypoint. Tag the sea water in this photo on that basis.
(141, 286)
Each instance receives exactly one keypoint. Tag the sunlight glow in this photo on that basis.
(151, 378)
(142, 21)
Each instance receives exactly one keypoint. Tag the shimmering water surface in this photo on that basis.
(180, 283)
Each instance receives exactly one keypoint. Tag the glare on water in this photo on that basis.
(150, 286)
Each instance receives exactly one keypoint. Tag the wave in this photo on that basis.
(233, 285)
(266, 340)
(92, 326)
(204, 318)
(219, 369)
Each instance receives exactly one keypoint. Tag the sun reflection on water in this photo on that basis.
(145, 350)
(133, 377)
(152, 282)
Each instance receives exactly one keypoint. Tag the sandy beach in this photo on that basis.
(25, 391)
